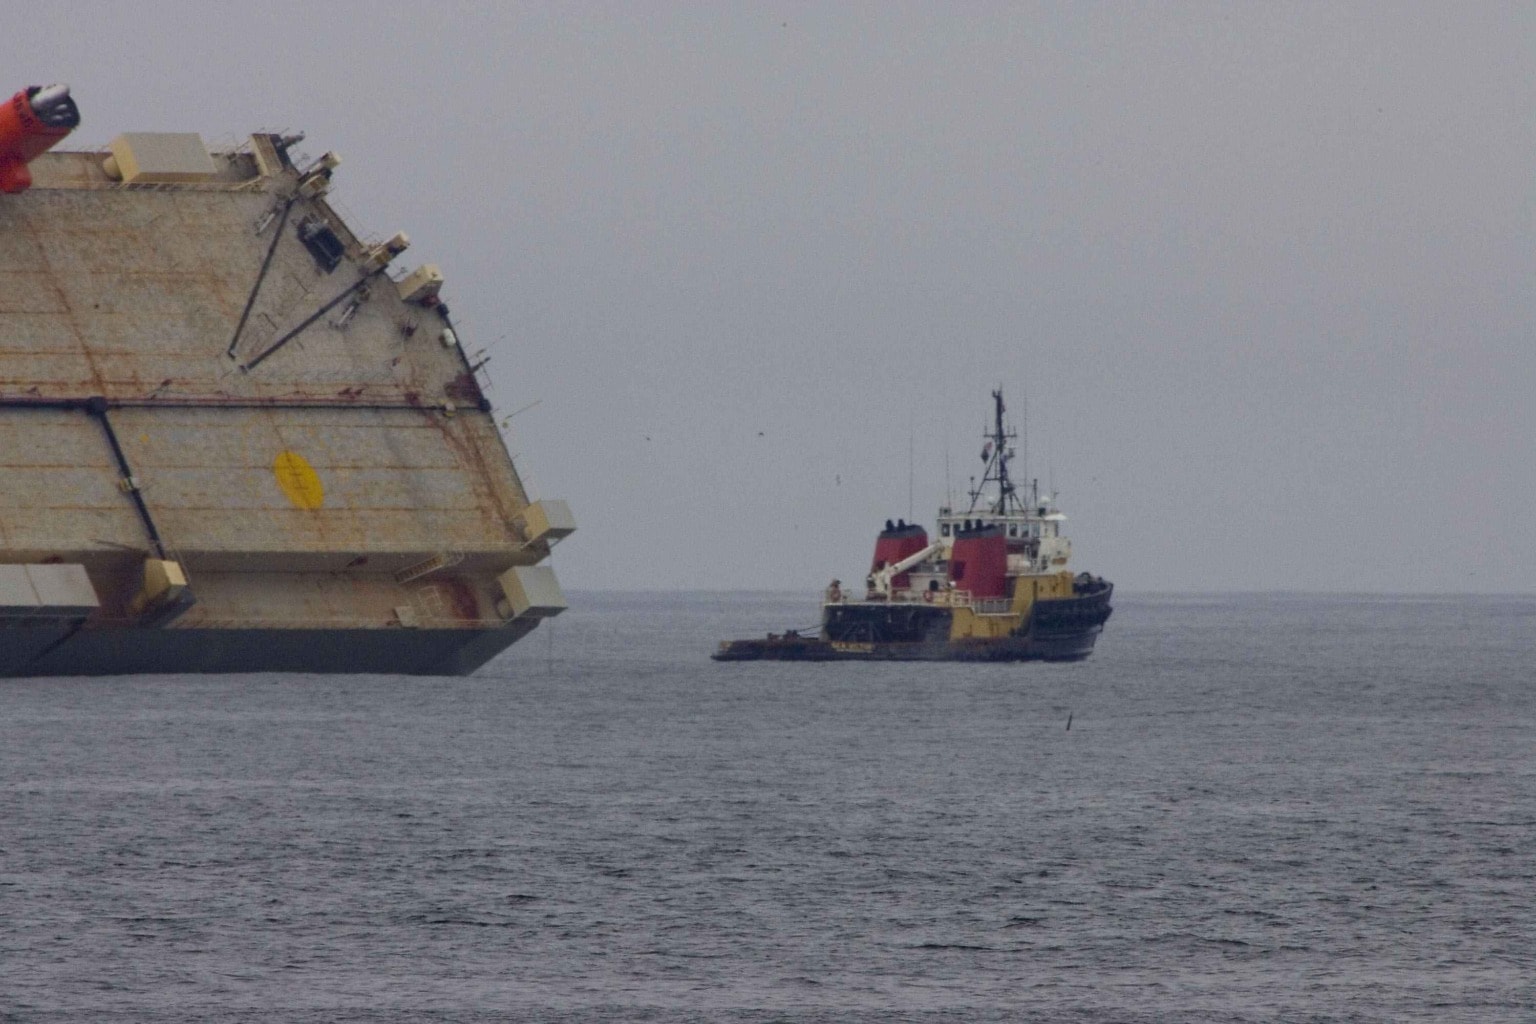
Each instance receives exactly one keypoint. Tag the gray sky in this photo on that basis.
(1264, 273)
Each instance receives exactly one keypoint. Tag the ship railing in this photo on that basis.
(445, 560)
(992, 606)
(947, 598)
(216, 185)
(955, 599)
(943, 598)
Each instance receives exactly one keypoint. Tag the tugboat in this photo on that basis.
(993, 586)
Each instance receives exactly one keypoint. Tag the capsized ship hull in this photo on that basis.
(110, 652)
(233, 436)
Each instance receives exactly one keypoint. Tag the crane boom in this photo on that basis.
(880, 582)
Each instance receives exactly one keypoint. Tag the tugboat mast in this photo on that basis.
(996, 454)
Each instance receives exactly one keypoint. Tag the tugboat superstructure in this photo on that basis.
(993, 585)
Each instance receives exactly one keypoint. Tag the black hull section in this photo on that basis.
(1073, 648)
(1055, 631)
(922, 624)
(1067, 630)
(49, 651)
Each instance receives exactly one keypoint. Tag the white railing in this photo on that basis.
(942, 598)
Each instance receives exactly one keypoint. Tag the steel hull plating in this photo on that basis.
(48, 651)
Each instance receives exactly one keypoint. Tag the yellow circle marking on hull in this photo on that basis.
(298, 480)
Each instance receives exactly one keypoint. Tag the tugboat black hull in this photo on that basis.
(872, 631)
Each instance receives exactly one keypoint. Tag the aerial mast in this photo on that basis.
(1000, 438)
(996, 454)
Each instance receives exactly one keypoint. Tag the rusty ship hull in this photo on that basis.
(236, 436)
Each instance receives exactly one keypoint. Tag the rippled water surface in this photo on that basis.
(1266, 808)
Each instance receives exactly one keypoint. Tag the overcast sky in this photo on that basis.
(1262, 273)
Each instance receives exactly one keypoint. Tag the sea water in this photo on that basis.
(1292, 807)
